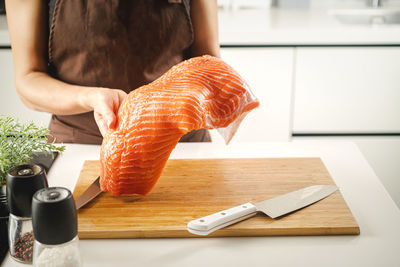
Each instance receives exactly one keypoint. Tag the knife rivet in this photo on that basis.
(201, 220)
(244, 207)
(223, 213)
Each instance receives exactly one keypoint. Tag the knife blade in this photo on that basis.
(274, 207)
(90, 193)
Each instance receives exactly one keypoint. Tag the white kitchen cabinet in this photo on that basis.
(10, 104)
(347, 90)
(268, 71)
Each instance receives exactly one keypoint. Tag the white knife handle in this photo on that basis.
(210, 223)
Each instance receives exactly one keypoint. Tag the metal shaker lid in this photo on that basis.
(54, 216)
(22, 182)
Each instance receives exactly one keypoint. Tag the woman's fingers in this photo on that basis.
(101, 123)
(118, 97)
(106, 104)
(109, 116)
(121, 96)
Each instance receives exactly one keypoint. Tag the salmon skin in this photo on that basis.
(202, 92)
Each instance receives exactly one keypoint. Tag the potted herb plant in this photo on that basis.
(19, 142)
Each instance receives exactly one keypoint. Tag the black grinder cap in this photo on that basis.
(4, 211)
(22, 183)
(54, 216)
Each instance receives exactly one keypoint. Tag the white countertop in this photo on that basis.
(285, 27)
(376, 213)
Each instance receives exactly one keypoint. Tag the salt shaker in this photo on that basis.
(55, 229)
(22, 182)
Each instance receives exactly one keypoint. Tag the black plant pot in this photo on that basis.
(4, 213)
(2, 7)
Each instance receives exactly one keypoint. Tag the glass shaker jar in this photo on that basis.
(4, 217)
(22, 182)
(55, 228)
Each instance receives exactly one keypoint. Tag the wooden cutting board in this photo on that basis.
(192, 188)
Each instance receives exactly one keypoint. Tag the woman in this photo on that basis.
(78, 59)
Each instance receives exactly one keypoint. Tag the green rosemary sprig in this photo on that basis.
(18, 142)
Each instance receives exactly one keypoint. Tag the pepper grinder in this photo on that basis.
(55, 228)
(4, 217)
(22, 182)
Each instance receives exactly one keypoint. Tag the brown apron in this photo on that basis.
(119, 44)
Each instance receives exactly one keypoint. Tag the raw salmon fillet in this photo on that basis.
(202, 92)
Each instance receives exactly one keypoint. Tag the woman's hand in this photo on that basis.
(105, 103)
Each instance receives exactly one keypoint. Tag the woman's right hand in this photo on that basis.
(105, 103)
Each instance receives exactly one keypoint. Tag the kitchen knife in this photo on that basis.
(90, 193)
(274, 207)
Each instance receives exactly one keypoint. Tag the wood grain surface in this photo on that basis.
(192, 188)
